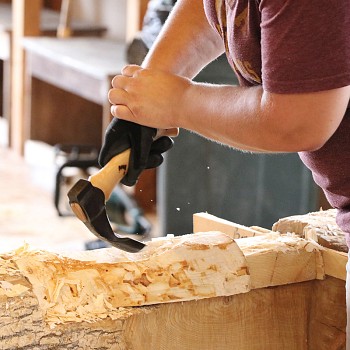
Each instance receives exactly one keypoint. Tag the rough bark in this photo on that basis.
(302, 316)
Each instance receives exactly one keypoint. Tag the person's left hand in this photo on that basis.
(146, 152)
(148, 97)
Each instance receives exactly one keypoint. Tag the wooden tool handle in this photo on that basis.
(112, 173)
(64, 28)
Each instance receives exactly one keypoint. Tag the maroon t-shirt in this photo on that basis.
(295, 46)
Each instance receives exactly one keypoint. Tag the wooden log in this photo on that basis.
(204, 265)
(282, 317)
(94, 284)
(263, 319)
(51, 301)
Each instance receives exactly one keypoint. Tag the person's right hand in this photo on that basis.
(150, 97)
(145, 153)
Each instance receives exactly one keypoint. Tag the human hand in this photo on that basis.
(145, 151)
(148, 97)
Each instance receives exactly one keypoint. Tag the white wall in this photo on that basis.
(121, 17)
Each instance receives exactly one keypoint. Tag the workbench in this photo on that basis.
(48, 26)
(78, 68)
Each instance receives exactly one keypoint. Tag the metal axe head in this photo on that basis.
(88, 204)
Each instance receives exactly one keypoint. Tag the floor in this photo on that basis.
(27, 211)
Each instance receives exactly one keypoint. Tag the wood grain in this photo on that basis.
(302, 316)
(308, 315)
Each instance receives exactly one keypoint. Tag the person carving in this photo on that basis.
(292, 60)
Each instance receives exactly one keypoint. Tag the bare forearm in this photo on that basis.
(187, 43)
(229, 115)
(253, 120)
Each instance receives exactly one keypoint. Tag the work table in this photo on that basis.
(53, 60)
(82, 67)
(49, 21)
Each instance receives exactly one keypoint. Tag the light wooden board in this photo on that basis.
(203, 222)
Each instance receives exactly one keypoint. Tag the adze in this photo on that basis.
(87, 199)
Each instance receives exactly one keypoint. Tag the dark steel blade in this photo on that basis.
(88, 204)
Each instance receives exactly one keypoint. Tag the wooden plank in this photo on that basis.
(204, 222)
(95, 57)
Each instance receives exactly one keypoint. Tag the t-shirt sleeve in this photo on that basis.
(305, 45)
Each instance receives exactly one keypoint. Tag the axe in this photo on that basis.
(87, 198)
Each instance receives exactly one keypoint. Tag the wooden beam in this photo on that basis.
(26, 22)
(310, 227)
(64, 29)
(274, 259)
(95, 284)
(204, 222)
(83, 299)
(133, 18)
(264, 319)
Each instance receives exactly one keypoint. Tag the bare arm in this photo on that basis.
(163, 96)
(187, 42)
(246, 118)
(256, 120)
